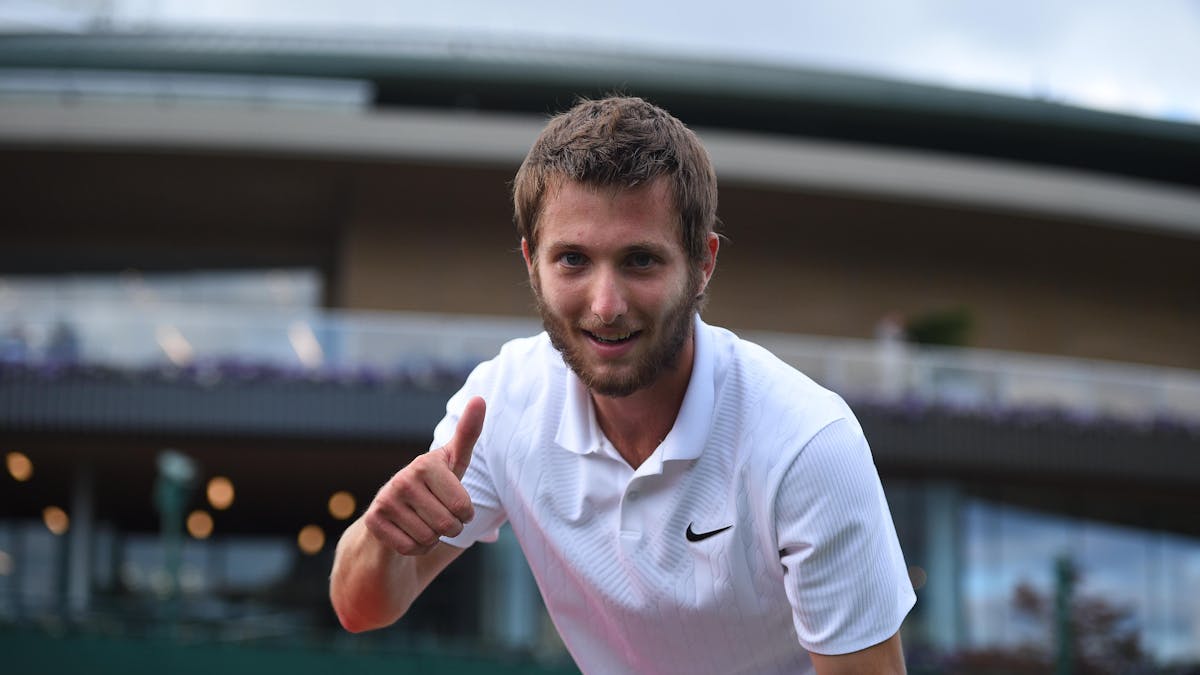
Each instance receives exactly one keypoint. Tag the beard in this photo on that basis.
(666, 342)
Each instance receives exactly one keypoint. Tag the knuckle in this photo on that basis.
(405, 490)
(374, 521)
(446, 525)
(421, 465)
(461, 506)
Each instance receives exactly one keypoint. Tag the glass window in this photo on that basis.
(1135, 592)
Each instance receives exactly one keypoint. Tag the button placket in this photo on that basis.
(632, 508)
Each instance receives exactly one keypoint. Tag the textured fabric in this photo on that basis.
(811, 561)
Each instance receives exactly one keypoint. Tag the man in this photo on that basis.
(687, 502)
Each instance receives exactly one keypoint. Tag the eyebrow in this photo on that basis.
(645, 245)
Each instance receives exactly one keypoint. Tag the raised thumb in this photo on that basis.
(458, 450)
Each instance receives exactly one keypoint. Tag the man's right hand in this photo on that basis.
(426, 499)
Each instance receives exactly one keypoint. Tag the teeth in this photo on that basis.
(615, 338)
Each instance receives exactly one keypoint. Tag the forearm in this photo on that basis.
(885, 658)
(371, 586)
(391, 553)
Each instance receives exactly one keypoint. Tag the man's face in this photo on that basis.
(614, 286)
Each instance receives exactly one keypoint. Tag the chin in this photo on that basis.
(615, 389)
(610, 384)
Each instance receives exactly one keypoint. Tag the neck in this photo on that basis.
(637, 424)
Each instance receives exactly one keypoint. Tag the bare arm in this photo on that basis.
(372, 586)
(390, 554)
(885, 658)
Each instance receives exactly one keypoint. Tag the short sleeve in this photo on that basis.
(844, 572)
(478, 480)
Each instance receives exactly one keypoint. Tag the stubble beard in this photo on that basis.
(662, 357)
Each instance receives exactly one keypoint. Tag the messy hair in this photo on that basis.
(620, 142)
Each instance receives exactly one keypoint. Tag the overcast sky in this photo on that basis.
(1135, 57)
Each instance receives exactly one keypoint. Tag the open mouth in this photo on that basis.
(612, 339)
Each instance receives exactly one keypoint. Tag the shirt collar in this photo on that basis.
(579, 432)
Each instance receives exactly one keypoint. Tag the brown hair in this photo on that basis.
(620, 142)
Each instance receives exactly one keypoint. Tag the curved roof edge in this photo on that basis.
(500, 140)
(456, 71)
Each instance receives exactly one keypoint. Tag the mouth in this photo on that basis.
(612, 339)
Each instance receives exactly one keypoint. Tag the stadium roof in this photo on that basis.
(765, 124)
(493, 74)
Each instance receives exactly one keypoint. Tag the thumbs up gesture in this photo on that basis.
(426, 499)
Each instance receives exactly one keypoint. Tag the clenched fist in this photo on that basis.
(426, 499)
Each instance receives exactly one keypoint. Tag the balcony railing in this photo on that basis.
(371, 345)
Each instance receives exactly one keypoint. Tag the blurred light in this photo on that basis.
(311, 539)
(220, 492)
(917, 576)
(174, 345)
(341, 505)
(56, 519)
(199, 524)
(175, 466)
(19, 466)
(6, 564)
(305, 344)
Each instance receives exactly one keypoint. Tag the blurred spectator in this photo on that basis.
(63, 346)
(892, 352)
(14, 345)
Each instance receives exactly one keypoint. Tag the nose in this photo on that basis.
(608, 297)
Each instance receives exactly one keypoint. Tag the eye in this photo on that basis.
(572, 259)
(641, 260)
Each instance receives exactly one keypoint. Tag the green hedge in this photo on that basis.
(33, 653)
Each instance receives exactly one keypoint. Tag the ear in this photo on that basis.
(525, 254)
(710, 263)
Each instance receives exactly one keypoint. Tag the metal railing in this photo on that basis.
(379, 344)
(992, 380)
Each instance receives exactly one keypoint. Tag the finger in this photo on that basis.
(437, 517)
(458, 450)
(450, 494)
(415, 527)
(392, 536)
(394, 504)
(427, 491)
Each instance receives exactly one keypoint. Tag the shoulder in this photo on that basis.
(525, 371)
(781, 400)
(521, 350)
(770, 412)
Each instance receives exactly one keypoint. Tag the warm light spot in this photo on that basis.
(341, 505)
(56, 519)
(220, 492)
(6, 564)
(311, 539)
(19, 466)
(305, 344)
(917, 576)
(199, 524)
(174, 345)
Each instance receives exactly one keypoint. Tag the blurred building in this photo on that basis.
(276, 257)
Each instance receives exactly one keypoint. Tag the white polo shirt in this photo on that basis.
(757, 530)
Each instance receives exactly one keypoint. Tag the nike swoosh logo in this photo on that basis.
(701, 536)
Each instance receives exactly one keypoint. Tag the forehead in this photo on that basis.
(576, 214)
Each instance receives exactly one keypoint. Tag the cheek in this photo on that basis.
(560, 298)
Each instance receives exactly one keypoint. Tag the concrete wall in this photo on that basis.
(438, 238)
